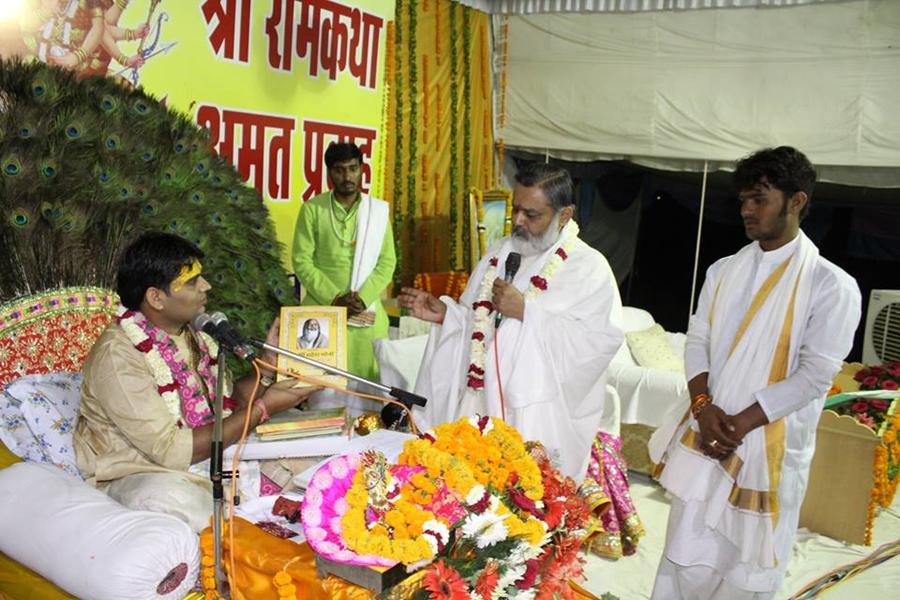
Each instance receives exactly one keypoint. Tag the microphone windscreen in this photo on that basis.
(218, 318)
(513, 260)
(201, 322)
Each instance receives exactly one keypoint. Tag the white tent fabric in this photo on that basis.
(674, 88)
(540, 6)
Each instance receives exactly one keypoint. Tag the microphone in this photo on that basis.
(513, 260)
(217, 326)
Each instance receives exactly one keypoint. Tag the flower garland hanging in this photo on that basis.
(411, 202)
(176, 382)
(483, 306)
(397, 132)
(454, 143)
(467, 119)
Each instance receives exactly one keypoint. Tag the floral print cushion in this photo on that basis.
(37, 418)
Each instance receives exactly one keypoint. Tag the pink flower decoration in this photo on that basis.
(312, 515)
(322, 479)
(316, 534)
(313, 496)
(341, 506)
(338, 468)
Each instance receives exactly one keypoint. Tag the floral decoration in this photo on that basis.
(176, 382)
(483, 513)
(879, 377)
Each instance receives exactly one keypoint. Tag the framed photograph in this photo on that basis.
(491, 219)
(317, 332)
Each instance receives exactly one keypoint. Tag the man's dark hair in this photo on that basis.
(339, 152)
(784, 167)
(152, 260)
(555, 182)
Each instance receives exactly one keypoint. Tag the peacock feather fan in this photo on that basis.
(88, 165)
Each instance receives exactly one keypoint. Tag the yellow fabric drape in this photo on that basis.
(425, 174)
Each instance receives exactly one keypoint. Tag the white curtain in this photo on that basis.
(673, 89)
(519, 7)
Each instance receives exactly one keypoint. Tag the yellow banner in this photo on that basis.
(274, 81)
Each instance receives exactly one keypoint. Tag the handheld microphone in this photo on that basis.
(513, 260)
(217, 326)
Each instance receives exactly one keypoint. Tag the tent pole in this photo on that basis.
(699, 232)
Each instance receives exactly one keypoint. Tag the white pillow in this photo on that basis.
(650, 348)
(399, 360)
(38, 415)
(636, 319)
(88, 544)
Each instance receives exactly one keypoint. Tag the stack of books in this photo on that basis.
(294, 423)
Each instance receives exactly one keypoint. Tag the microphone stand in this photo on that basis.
(388, 413)
(216, 474)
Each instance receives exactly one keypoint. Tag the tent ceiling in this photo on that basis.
(519, 7)
(674, 89)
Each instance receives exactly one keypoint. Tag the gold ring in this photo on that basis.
(713, 443)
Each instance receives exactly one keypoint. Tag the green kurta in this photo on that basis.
(324, 243)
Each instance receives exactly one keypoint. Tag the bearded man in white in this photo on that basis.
(543, 369)
(773, 323)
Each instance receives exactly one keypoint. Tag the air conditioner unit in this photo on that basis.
(881, 340)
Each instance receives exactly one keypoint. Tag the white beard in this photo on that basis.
(530, 245)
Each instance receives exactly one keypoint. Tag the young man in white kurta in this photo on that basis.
(553, 352)
(775, 300)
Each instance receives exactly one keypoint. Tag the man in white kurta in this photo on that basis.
(773, 323)
(544, 368)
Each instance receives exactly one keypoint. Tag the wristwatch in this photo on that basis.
(266, 380)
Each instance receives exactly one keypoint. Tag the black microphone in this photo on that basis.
(513, 260)
(217, 326)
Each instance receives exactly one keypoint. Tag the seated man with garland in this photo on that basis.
(149, 385)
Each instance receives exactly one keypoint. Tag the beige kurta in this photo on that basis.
(124, 425)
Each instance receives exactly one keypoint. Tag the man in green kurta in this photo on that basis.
(344, 255)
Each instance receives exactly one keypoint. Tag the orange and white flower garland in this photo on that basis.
(483, 306)
(176, 382)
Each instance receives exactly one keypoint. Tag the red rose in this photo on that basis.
(889, 384)
(859, 407)
(475, 383)
(169, 387)
(478, 336)
(476, 370)
(894, 370)
(493, 262)
(145, 345)
(880, 404)
(861, 374)
(539, 282)
(870, 381)
(562, 253)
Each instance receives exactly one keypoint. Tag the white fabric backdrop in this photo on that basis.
(709, 84)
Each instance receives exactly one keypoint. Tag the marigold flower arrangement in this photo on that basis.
(485, 514)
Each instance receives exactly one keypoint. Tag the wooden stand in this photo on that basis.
(376, 579)
(840, 479)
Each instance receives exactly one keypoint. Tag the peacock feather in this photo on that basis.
(88, 165)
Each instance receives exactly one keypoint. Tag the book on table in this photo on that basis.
(296, 423)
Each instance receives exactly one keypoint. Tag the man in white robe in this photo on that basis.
(773, 324)
(560, 327)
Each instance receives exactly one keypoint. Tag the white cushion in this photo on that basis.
(88, 544)
(399, 360)
(651, 348)
(636, 319)
(38, 415)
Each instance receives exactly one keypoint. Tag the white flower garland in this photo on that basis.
(483, 307)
